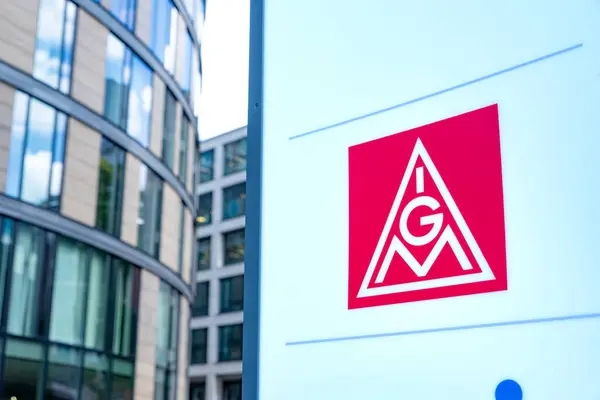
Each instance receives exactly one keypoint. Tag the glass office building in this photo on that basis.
(97, 172)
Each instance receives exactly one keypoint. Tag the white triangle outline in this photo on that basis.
(486, 273)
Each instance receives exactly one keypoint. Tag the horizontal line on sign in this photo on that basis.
(428, 96)
(447, 329)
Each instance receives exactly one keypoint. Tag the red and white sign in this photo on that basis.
(426, 213)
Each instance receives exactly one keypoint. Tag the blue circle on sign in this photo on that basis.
(509, 390)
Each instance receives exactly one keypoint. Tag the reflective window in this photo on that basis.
(200, 304)
(195, 162)
(230, 342)
(22, 370)
(128, 97)
(6, 242)
(232, 390)
(204, 209)
(207, 159)
(198, 346)
(203, 247)
(164, 33)
(150, 211)
(14, 170)
(196, 82)
(197, 391)
(122, 380)
(63, 294)
(168, 143)
(96, 323)
(26, 288)
(234, 201)
(232, 294)
(234, 247)
(182, 236)
(79, 302)
(53, 57)
(64, 369)
(95, 375)
(118, 76)
(183, 148)
(124, 11)
(36, 153)
(186, 65)
(165, 385)
(140, 102)
(111, 177)
(124, 292)
(70, 286)
(235, 156)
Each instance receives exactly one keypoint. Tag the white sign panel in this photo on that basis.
(429, 220)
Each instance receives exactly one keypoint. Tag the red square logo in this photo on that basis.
(427, 214)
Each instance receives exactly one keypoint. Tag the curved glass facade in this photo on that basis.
(69, 317)
(98, 144)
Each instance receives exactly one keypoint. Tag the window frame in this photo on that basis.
(232, 281)
(149, 234)
(127, 63)
(225, 202)
(209, 215)
(169, 132)
(200, 386)
(230, 234)
(194, 346)
(237, 384)
(112, 364)
(117, 196)
(66, 57)
(184, 130)
(157, 7)
(202, 166)
(199, 311)
(171, 367)
(21, 153)
(130, 24)
(205, 239)
(226, 170)
(236, 334)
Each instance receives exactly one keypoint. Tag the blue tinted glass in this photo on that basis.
(38, 153)
(196, 83)
(110, 187)
(124, 11)
(168, 148)
(140, 102)
(171, 34)
(16, 145)
(117, 80)
(48, 51)
(186, 71)
(54, 45)
(58, 159)
(164, 33)
(183, 148)
(67, 61)
(160, 23)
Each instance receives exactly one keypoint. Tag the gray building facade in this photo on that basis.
(217, 313)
